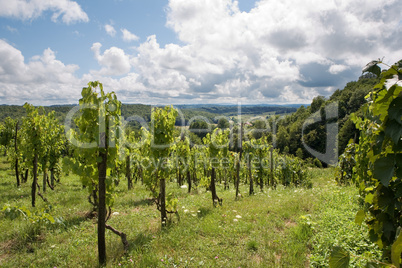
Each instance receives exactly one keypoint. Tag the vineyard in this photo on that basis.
(96, 190)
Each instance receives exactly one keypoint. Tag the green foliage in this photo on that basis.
(171, 202)
(223, 123)
(349, 100)
(37, 217)
(317, 103)
(292, 171)
(200, 128)
(396, 251)
(378, 170)
(33, 132)
(162, 128)
(317, 163)
(100, 114)
(346, 165)
(153, 156)
(372, 67)
(7, 132)
(339, 258)
(299, 153)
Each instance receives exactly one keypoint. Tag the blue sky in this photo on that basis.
(191, 51)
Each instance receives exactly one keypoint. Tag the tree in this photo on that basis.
(96, 154)
(183, 160)
(299, 153)
(217, 146)
(259, 160)
(10, 139)
(162, 128)
(223, 123)
(53, 142)
(248, 149)
(259, 129)
(200, 128)
(7, 133)
(317, 103)
(33, 145)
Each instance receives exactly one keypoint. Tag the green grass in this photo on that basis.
(332, 224)
(277, 228)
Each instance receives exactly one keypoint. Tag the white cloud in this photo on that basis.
(70, 11)
(281, 46)
(113, 60)
(338, 68)
(110, 30)
(290, 55)
(128, 36)
(44, 79)
(279, 52)
(11, 29)
(11, 62)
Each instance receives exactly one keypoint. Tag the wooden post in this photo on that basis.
(102, 166)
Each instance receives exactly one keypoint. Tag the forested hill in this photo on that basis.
(18, 111)
(232, 110)
(144, 111)
(349, 100)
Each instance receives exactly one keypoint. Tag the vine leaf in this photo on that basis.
(360, 215)
(372, 67)
(399, 166)
(394, 130)
(395, 110)
(339, 258)
(372, 265)
(396, 251)
(384, 169)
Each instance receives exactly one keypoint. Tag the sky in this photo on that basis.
(191, 51)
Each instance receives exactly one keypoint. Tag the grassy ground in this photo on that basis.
(286, 227)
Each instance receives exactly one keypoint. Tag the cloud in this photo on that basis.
(69, 11)
(128, 36)
(279, 47)
(113, 60)
(278, 52)
(11, 29)
(338, 68)
(110, 30)
(44, 79)
(11, 62)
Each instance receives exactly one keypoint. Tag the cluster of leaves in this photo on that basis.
(100, 114)
(152, 153)
(292, 171)
(346, 164)
(42, 135)
(38, 217)
(378, 156)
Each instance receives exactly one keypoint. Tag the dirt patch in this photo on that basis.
(8, 245)
(3, 258)
(256, 259)
(278, 258)
(5, 248)
(290, 224)
(137, 209)
(307, 262)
